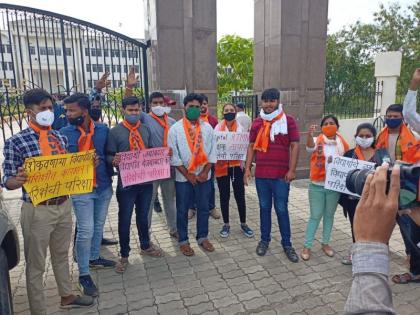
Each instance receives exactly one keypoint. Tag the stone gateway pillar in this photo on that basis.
(289, 54)
(182, 56)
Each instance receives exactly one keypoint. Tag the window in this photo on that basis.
(13, 82)
(116, 68)
(88, 67)
(87, 51)
(106, 52)
(11, 66)
(228, 70)
(5, 48)
(125, 68)
(42, 51)
(124, 54)
(89, 82)
(116, 83)
(115, 53)
(32, 50)
(132, 54)
(107, 68)
(68, 51)
(137, 69)
(97, 68)
(96, 52)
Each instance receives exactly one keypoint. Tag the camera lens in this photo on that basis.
(356, 180)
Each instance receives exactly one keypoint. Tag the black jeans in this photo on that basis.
(237, 176)
(414, 250)
(139, 196)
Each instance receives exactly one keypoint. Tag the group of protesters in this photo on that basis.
(272, 157)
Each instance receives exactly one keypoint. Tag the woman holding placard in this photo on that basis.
(322, 202)
(227, 171)
(365, 150)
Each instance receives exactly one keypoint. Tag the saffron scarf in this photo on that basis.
(196, 145)
(135, 139)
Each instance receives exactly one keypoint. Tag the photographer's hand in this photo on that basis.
(376, 212)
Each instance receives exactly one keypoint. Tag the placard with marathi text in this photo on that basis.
(231, 145)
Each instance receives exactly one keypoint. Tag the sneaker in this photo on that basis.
(347, 260)
(87, 286)
(225, 231)
(102, 263)
(191, 213)
(247, 230)
(157, 206)
(262, 248)
(108, 242)
(291, 254)
(215, 214)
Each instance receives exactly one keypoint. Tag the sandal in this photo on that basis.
(328, 250)
(152, 251)
(405, 278)
(305, 254)
(186, 250)
(121, 265)
(207, 246)
(79, 301)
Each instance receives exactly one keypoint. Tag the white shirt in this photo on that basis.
(244, 120)
(409, 111)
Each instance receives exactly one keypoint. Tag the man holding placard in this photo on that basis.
(194, 154)
(90, 209)
(131, 135)
(49, 223)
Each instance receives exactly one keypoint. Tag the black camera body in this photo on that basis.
(409, 177)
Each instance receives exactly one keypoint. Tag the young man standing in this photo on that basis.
(49, 224)
(194, 153)
(244, 120)
(274, 140)
(159, 124)
(131, 135)
(90, 209)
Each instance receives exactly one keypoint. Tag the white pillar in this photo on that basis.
(387, 71)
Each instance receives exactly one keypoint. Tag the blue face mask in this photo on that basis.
(132, 119)
(393, 122)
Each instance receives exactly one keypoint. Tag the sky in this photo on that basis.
(233, 16)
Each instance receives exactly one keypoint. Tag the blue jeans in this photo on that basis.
(184, 191)
(140, 196)
(90, 210)
(212, 198)
(267, 190)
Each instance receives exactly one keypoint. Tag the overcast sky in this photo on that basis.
(233, 16)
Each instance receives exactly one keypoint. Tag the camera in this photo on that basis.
(410, 181)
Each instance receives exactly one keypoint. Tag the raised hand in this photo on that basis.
(132, 78)
(102, 82)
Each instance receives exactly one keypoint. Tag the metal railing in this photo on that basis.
(62, 55)
(354, 104)
(251, 104)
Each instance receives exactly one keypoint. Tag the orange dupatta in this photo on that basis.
(222, 166)
(205, 117)
(135, 139)
(195, 142)
(165, 125)
(48, 143)
(261, 143)
(85, 142)
(359, 154)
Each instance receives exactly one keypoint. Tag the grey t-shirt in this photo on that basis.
(118, 141)
(155, 128)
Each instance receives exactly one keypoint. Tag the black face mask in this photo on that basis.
(95, 113)
(78, 121)
(229, 116)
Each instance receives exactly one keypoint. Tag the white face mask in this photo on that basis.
(167, 109)
(364, 143)
(158, 110)
(45, 118)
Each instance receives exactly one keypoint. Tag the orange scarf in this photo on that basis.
(195, 142)
(85, 142)
(222, 166)
(205, 117)
(135, 139)
(48, 142)
(261, 143)
(317, 171)
(165, 125)
(359, 154)
(406, 140)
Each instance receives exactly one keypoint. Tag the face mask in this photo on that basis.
(329, 130)
(364, 143)
(132, 119)
(78, 121)
(229, 116)
(45, 118)
(95, 113)
(192, 113)
(158, 110)
(393, 122)
(167, 109)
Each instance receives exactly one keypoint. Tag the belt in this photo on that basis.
(54, 201)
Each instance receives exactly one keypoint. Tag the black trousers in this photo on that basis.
(415, 250)
(236, 175)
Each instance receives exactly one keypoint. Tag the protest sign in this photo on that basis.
(337, 172)
(59, 175)
(231, 145)
(143, 166)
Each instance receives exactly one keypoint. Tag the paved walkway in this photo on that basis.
(232, 280)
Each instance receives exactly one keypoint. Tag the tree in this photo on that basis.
(234, 65)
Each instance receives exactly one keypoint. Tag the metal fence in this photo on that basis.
(354, 104)
(251, 104)
(62, 55)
